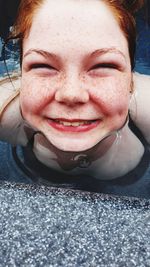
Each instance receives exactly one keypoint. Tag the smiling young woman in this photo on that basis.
(76, 91)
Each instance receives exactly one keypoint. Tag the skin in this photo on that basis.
(139, 104)
(75, 70)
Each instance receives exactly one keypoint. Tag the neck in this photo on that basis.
(122, 157)
(114, 156)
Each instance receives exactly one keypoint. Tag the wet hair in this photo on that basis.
(123, 10)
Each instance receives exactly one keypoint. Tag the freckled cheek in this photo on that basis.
(35, 95)
(111, 97)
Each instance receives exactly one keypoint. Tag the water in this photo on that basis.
(143, 46)
(142, 53)
(11, 58)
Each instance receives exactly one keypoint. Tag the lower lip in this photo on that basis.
(81, 128)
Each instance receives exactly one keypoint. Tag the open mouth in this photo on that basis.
(74, 125)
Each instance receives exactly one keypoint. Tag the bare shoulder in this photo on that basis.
(141, 81)
(140, 103)
(8, 87)
(10, 117)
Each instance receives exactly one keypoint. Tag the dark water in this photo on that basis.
(142, 52)
(143, 45)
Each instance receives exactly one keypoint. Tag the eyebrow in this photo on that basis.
(43, 53)
(97, 52)
(104, 51)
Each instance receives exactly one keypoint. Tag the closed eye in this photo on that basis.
(42, 66)
(105, 65)
(104, 69)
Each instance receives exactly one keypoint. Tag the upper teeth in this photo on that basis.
(75, 124)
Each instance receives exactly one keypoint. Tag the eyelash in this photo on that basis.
(36, 66)
(95, 67)
(105, 65)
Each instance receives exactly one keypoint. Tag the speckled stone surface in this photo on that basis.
(42, 226)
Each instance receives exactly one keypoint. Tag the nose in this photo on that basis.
(72, 92)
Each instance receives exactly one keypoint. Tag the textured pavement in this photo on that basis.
(42, 226)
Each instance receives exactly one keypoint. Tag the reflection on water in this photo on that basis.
(142, 67)
(143, 45)
(11, 58)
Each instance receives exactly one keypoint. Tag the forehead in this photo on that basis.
(75, 23)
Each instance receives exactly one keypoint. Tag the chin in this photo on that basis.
(72, 146)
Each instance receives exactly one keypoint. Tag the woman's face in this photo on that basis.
(76, 73)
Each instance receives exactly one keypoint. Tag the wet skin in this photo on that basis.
(76, 73)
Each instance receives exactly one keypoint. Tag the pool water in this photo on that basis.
(11, 58)
(143, 46)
